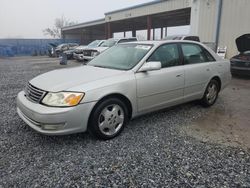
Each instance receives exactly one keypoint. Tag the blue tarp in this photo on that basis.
(22, 47)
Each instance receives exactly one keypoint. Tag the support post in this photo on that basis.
(149, 26)
(154, 34)
(162, 33)
(108, 30)
(166, 31)
(124, 34)
(133, 33)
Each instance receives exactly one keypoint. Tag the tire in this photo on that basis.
(211, 94)
(108, 119)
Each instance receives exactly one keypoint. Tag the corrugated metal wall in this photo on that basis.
(13, 47)
(207, 20)
(235, 21)
(163, 6)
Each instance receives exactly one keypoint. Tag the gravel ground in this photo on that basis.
(151, 151)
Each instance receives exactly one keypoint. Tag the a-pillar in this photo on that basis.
(149, 26)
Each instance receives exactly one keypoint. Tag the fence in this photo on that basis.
(22, 47)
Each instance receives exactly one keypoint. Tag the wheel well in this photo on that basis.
(218, 80)
(118, 96)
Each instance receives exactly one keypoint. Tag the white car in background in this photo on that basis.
(78, 53)
(91, 53)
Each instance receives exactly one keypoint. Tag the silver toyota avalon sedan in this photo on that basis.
(125, 81)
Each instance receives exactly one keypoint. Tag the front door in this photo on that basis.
(161, 88)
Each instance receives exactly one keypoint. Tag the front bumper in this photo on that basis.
(241, 71)
(88, 58)
(53, 120)
(78, 57)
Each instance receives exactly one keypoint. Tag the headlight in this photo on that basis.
(63, 99)
(93, 54)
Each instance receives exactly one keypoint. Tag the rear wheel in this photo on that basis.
(108, 119)
(211, 94)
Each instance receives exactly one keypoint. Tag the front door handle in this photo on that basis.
(178, 75)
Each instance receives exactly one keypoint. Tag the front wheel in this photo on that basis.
(108, 119)
(211, 94)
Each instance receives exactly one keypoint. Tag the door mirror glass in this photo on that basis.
(150, 66)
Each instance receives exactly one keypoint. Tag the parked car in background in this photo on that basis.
(51, 50)
(64, 47)
(78, 53)
(240, 64)
(121, 83)
(183, 37)
(91, 53)
(71, 53)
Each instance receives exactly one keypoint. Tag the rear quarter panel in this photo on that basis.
(221, 68)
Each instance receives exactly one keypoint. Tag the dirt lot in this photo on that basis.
(229, 122)
(185, 146)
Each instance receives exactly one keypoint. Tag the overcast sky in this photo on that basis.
(27, 18)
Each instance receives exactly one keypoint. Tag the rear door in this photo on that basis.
(197, 70)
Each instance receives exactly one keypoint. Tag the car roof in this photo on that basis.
(116, 39)
(159, 42)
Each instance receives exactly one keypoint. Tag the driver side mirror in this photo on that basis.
(150, 66)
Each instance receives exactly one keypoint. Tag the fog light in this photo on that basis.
(52, 127)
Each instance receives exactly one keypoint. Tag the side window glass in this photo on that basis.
(208, 56)
(122, 40)
(193, 54)
(131, 40)
(168, 55)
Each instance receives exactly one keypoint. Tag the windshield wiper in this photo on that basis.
(100, 66)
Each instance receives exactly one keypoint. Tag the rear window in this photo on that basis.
(127, 40)
(193, 38)
(108, 43)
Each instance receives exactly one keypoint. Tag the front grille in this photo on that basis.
(33, 93)
(88, 52)
(78, 52)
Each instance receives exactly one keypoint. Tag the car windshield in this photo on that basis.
(108, 43)
(121, 57)
(60, 46)
(94, 44)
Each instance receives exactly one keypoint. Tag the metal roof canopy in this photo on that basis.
(166, 19)
(155, 14)
(85, 24)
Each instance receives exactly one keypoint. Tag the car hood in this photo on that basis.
(243, 43)
(64, 79)
(81, 47)
(99, 49)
